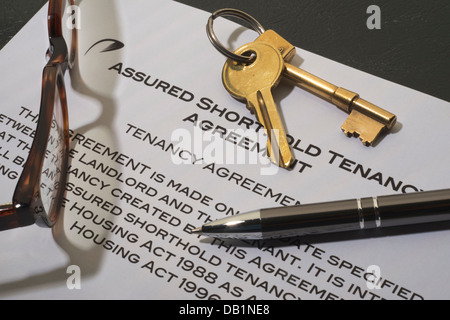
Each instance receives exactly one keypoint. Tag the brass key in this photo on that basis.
(253, 84)
(366, 120)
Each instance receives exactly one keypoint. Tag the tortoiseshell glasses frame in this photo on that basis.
(40, 189)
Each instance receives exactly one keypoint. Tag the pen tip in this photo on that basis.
(196, 231)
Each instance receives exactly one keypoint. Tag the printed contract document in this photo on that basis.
(158, 147)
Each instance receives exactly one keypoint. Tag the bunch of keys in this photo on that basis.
(253, 70)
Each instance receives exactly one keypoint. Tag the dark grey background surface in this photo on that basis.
(411, 48)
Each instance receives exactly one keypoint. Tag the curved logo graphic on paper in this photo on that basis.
(109, 45)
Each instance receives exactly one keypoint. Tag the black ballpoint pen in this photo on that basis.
(335, 216)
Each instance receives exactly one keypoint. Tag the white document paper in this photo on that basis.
(137, 185)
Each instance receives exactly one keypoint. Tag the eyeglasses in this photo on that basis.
(39, 192)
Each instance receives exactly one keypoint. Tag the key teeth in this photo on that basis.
(365, 142)
(251, 109)
(350, 134)
(355, 134)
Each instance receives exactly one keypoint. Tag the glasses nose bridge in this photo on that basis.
(57, 52)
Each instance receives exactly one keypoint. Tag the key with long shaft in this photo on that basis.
(366, 120)
(253, 83)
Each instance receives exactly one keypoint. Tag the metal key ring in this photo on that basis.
(216, 43)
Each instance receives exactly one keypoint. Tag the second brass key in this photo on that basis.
(366, 120)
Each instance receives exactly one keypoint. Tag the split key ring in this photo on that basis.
(218, 45)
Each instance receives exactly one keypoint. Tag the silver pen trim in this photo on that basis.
(376, 210)
(360, 213)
